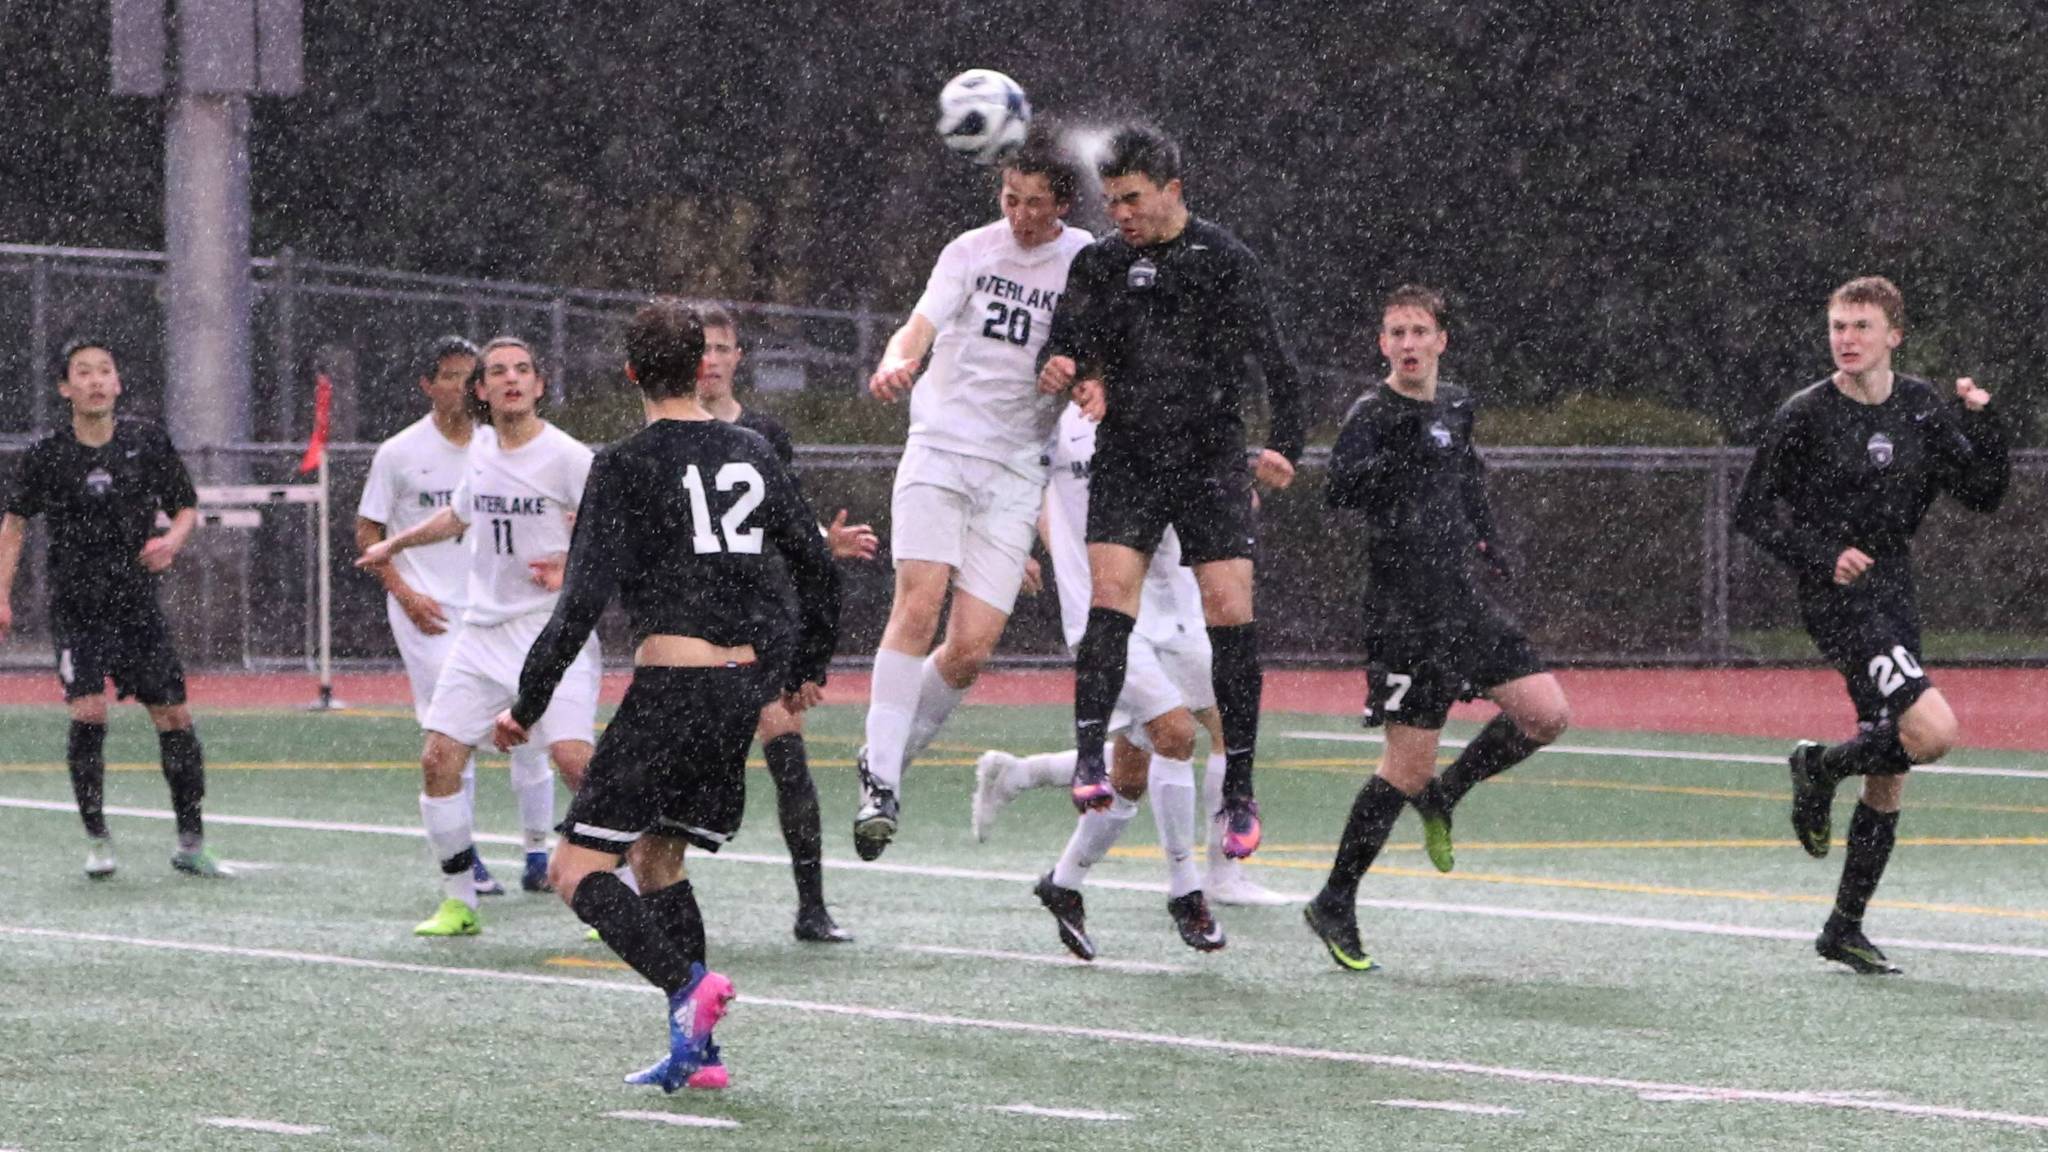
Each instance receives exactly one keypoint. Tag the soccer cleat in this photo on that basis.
(535, 878)
(693, 1011)
(1846, 944)
(1241, 833)
(710, 1075)
(875, 824)
(1436, 825)
(1813, 795)
(452, 918)
(1069, 913)
(1198, 929)
(99, 857)
(201, 862)
(486, 884)
(816, 926)
(1226, 883)
(1338, 930)
(593, 937)
(1091, 782)
(991, 791)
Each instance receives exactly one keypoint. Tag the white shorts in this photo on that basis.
(1160, 677)
(481, 679)
(422, 654)
(974, 515)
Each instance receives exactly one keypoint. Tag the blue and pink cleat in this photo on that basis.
(693, 1060)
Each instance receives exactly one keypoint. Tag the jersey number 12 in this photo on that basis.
(738, 537)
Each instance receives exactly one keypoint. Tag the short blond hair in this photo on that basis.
(1874, 290)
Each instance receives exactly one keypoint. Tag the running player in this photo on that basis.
(1166, 695)
(1847, 468)
(1151, 338)
(684, 520)
(102, 482)
(781, 730)
(1405, 459)
(519, 492)
(412, 476)
(968, 488)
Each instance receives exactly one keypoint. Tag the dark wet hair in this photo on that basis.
(479, 408)
(1043, 155)
(1140, 149)
(1416, 296)
(1874, 290)
(441, 348)
(665, 347)
(717, 316)
(73, 347)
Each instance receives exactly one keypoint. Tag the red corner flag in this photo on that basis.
(323, 404)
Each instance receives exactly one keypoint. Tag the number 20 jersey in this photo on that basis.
(992, 303)
(518, 506)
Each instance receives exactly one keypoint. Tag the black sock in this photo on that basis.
(86, 753)
(796, 804)
(1373, 814)
(1099, 677)
(1871, 834)
(1239, 683)
(1875, 751)
(630, 929)
(185, 772)
(459, 863)
(675, 909)
(1499, 746)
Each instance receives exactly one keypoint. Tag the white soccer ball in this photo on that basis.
(983, 115)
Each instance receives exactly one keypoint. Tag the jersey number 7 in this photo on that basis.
(738, 537)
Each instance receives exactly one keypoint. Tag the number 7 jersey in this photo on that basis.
(992, 302)
(518, 506)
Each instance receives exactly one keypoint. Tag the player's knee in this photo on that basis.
(1884, 793)
(1928, 729)
(571, 760)
(1173, 736)
(170, 717)
(1545, 725)
(1115, 590)
(89, 709)
(961, 661)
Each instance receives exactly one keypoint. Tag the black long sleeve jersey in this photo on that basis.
(1168, 327)
(1833, 474)
(685, 520)
(102, 505)
(1410, 467)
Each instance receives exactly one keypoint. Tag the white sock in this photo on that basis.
(450, 830)
(936, 700)
(533, 782)
(1045, 770)
(892, 707)
(1173, 810)
(1094, 834)
(1212, 807)
(469, 783)
(625, 874)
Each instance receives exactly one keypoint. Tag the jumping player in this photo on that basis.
(968, 488)
(102, 482)
(412, 476)
(1847, 468)
(684, 520)
(1151, 338)
(1405, 459)
(516, 501)
(781, 731)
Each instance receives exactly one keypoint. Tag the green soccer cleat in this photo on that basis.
(99, 857)
(592, 937)
(452, 918)
(1339, 933)
(1436, 826)
(1813, 795)
(201, 862)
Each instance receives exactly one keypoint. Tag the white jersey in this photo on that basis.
(992, 303)
(517, 506)
(412, 476)
(1170, 606)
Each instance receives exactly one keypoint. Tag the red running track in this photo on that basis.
(1998, 707)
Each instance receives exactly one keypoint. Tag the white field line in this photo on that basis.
(274, 1127)
(676, 1119)
(1056, 1113)
(1590, 919)
(1054, 961)
(1451, 1106)
(1452, 1068)
(1666, 754)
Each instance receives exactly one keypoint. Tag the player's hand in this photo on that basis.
(1851, 565)
(507, 733)
(851, 541)
(379, 553)
(803, 698)
(1092, 398)
(1973, 397)
(1272, 469)
(893, 379)
(1496, 563)
(549, 571)
(1034, 576)
(1057, 376)
(158, 554)
(425, 612)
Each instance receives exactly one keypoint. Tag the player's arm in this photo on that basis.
(423, 610)
(1479, 511)
(1275, 356)
(1363, 463)
(443, 525)
(1762, 514)
(604, 523)
(1972, 456)
(907, 348)
(12, 530)
(1072, 342)
(179, 499)
(792, 528)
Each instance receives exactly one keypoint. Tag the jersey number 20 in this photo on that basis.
(1891, 672)
(738, 537)
(1007, 323)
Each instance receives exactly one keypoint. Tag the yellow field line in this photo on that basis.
(1737, 794)
(1150, 852)
(585, 962)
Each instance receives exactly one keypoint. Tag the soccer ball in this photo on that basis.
(983, 115)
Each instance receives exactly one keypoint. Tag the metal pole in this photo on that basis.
(558, 347)
(206, 302)
(326, 593)
(286, 343)
(39, 365)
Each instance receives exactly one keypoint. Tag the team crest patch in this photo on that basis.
(1142, 275)
(98, 481)
(1880, 447)
(1442, 435)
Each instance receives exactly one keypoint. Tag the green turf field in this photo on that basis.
(1623, 960)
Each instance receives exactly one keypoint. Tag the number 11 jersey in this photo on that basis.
(519, 505)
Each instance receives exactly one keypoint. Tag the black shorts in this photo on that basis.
(131, 646)
(1413, 678)
(1874, 642)
(673, 761)
(1208, 503)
